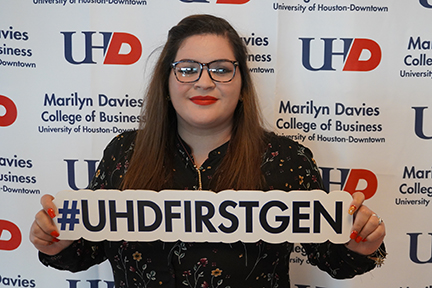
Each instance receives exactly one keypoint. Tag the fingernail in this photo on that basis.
(353, 234)
(55, 234)
(55, 240)
(352, 209)
(51, 212)
(358, 239)
(364, 240)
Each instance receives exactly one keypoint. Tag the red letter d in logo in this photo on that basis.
(361, 174)
(11, 111)
(15, 239)
(113, 55)
(353, 62)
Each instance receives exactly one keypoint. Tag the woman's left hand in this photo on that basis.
(368, 230)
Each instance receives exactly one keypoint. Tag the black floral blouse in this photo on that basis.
(286, 165)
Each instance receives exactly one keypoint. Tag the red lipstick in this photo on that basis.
(203, 100)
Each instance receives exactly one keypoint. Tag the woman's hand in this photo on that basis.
(43, 232)
(368, 230)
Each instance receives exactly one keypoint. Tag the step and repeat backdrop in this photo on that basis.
(349, 79)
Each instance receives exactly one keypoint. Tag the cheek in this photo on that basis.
(177, 92)
(172, 84)
(234, 91)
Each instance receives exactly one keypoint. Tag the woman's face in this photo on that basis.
(205, 105)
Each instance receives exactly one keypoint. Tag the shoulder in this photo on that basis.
(122, 142)
(114, 162)
(285, 145)
(121, 146)
(288, 165)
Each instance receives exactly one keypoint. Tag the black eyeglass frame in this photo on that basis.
(202, 65)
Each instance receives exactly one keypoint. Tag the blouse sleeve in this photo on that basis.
(340, 262)
(335, 259)
(289, 165)
(82, 254)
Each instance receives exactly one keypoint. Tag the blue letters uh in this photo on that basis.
(425, 4)
(93, 283)
(88, 59)
(414, 249)
(91, 164)
(325, 174)
(328, 52)
(418, 123)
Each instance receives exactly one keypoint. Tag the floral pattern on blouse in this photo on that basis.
(286, 166)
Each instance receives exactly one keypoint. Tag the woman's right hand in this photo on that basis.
(43, 232)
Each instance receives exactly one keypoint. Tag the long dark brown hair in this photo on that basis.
(150, 166)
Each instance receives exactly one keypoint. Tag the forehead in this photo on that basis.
(205, 48)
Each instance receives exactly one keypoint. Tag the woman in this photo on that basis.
(202, 130)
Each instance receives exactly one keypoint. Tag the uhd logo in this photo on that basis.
(118, 48)
(9, 113)
(351, 180)
(353, 51)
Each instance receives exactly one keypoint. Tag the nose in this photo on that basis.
(205, 82)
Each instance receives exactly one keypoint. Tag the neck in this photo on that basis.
(202, 142)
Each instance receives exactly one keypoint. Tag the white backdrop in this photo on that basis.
(359, 71)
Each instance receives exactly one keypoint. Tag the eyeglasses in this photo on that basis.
(188, 71)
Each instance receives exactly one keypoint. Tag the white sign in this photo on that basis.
(204, 216)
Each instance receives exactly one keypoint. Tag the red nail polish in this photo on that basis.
(55, 240)
(364, 240)
(51, 212)
(358, 239)
(55, 234)
(353, 234)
